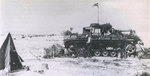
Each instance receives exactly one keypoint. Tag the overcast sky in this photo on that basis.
(54, 16)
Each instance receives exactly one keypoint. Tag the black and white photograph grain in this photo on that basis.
(74, 37)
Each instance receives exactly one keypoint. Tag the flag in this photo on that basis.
(96, 4)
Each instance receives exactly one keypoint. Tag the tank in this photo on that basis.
(104, 41)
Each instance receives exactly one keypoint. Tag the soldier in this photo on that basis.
(88, 43)
(123, 53)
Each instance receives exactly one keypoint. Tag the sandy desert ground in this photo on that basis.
(65, 66)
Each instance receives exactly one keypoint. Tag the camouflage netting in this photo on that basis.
(144, 54)
(55, 50)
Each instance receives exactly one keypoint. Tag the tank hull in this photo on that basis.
(98, 47)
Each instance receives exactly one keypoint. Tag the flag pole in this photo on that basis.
(97, 5)
(98, 13)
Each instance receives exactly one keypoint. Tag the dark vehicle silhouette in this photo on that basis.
(105, 41)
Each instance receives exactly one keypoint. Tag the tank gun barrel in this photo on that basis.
(124, 30)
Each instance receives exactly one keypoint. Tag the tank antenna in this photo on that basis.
(97, 5)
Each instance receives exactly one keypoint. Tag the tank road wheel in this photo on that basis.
(72, 49)
(105, 53)
(130, 48)
(81, 51)
(113, 53)
(72, 46)
(97, 53)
